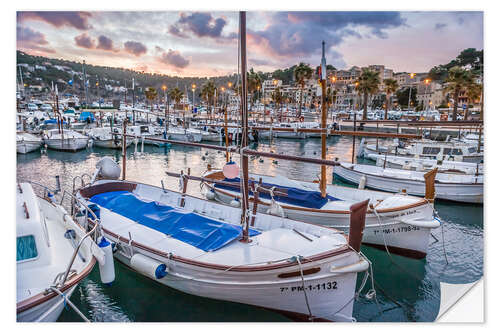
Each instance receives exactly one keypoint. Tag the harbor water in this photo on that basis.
(407, 289)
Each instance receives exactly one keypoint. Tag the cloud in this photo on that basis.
(30, 39)
(105, 43)
(174, 30)
(77, 20)
(300, 33)
(84, 41)
(439, 26)
(135, 48)
(172, 58)
(259, 62)
(200, 24)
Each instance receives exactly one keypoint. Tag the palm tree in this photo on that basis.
(458, 79)
(367, 85)
(151, 94)
(301, 74)
(474, 93)
(254, 84)
(278, 98)
(207, 93)
(176, 95)
(391, 86)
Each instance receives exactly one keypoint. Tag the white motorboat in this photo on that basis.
(103, 137)
(67, 140)
(400, 223)
(145, 132)
(454, 187)
(194, 246)
(26, 142)
(425, 164)
(47, 241)
(439, 150)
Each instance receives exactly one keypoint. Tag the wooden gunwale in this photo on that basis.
(420, 202)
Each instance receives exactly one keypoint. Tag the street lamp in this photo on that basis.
(193, 88)
(164, 88)
(412, 75)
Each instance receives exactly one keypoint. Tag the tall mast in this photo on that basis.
(244, 125)
(85, 84)
(323, 121)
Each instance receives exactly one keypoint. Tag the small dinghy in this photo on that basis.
(193, 245)
(65, 140)
(26, 142)
(401, 223)
(53, 255)
(454, 187)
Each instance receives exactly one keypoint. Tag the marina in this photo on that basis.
(236, 209)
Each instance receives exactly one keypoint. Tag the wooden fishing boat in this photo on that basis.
(454, 187)
(46, 241)
(400, 223)
(195, 246)
(66, 140)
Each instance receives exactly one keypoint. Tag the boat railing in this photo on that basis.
(94, 231)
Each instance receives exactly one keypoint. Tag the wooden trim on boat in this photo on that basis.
(297, 273)
(420, 202)
(90, 191)
(399, 251)
(42, 297)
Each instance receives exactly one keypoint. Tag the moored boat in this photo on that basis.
(194, 245)
(399, 223)
(26, 142)
(66, 140)
(47, 241)
(454, 187)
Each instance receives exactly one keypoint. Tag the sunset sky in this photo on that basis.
(205, 43)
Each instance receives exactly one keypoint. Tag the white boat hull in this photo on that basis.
(111, 144)
(67, 144)
(390, 230)
(470, 193)
(24, 147)
(55, 305)
(332, 293)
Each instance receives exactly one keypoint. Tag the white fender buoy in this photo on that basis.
(148, 266)
(107, 270)
(362, 183)
(235, 203)
(210, 195)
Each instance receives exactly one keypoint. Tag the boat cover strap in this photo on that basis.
(295, 196)
(198, 231)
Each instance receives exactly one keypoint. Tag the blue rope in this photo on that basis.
(64, 302)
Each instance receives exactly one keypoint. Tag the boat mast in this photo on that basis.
(244, 125)
(323, 121)
(85, 84)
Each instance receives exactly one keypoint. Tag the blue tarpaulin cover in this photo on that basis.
(52, 121)
(201, 232)
(85, 115)
(298, 197)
